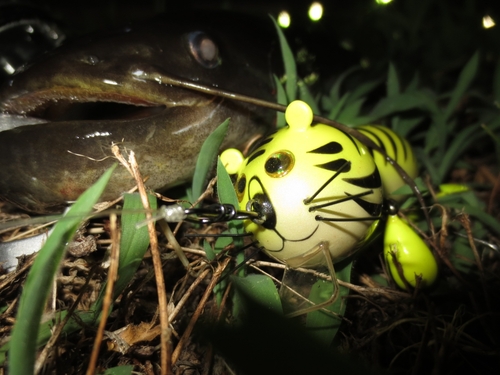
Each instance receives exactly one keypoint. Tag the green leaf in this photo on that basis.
(338, 106)
(421, 99)
(428, 165)
(306, 96)
(335, 89)
(362, 89)
(350, 112)
(207, 157)
(260, 288)
(403, 126)
(464, 80)
(23, 344)
(462, 256)
(479, 214)
(120, 370)
(462, 140)
(496, 84)
(393, 88)
(322, 325)
(225, 187)
(289, 64)
(134, 243)
(413, 85)
(281, 97)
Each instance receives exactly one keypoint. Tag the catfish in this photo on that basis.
(118, 87)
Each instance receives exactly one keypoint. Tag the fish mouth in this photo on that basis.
(76, 104)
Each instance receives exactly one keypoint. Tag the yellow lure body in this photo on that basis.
(402, 245)
(315, 185)
(288, 169)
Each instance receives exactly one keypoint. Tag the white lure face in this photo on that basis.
(282, 180)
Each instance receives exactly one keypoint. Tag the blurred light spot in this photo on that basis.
(110, 82)
(365, 63)
(6, 66)
(316, 11)
(383, 2)
(284, 19)
(346, 44)
(488, 22)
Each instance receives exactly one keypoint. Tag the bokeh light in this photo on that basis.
(315, 11)
(284, 19)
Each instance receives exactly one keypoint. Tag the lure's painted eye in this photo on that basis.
(204, 49)
(279, 164)
(240, 187)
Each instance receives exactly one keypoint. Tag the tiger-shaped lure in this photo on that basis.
(313, 184)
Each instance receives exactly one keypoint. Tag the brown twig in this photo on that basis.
(186, 295)
(160, 282)
(187, 333)
(108, 296)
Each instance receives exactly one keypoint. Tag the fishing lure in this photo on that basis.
(315, 187)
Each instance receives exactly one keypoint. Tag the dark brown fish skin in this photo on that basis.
(46, 165)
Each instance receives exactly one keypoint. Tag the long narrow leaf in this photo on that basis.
(134, 243)
(362, 89)
(306, 96)
(281, 99)
(207, 158)
(393, 87)
(462, 140)
(289, 64)
(464, 80)
(496, 84)
(322, 325)
(335, 90)
(39, 282)
(338, 106)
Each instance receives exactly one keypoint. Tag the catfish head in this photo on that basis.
(61, 114)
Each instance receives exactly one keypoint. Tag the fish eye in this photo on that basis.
(204, 49)
(279, 164)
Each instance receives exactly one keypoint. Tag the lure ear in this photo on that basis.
(232, 159)
(299, 115)
(404, 247)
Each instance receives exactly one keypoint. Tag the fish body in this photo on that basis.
(116, 88)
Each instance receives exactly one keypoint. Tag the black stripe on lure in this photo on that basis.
(312, 184)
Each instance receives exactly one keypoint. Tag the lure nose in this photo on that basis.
(261, 204)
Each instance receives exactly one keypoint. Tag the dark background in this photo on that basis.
(434, 36)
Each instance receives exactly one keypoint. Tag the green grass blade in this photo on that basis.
(335, 89)
(120, 370)
(39, 282)
(462, 141)
(464, 81)
(225, 187)
(393, 87)
(289, 64)
(306, 96)
(421, 99)
(337, 107)
(414, 83)
(362, 89)
(321, 325)
(260, 288)
(496, 85)
(134, 243)
(207, 158)
(350, 112)
(281, 98)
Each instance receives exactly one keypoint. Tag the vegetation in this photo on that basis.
(451, 117)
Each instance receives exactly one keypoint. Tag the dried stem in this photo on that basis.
(108, 296)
